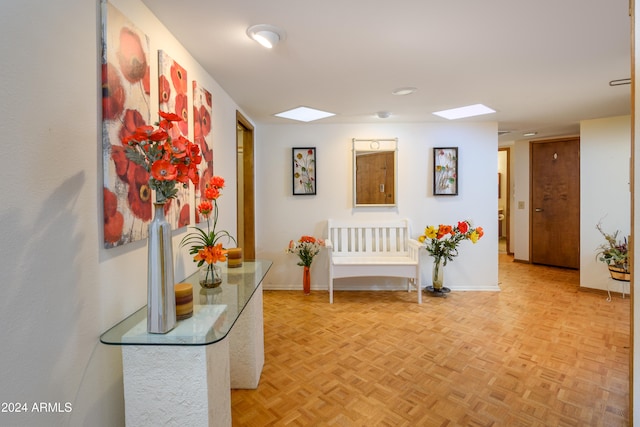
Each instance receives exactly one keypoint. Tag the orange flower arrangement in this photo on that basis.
(169, 160)
(204, 244)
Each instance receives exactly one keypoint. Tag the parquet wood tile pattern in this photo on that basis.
(539, 353)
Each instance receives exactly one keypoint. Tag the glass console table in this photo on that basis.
(187, 374)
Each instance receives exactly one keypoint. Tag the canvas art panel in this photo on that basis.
(304, 170)
(125, 106)
(173, 98)
(203, 136)
(445, 171)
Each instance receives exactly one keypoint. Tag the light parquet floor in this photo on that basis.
(539, 353)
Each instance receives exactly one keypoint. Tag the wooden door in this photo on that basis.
(246, 195)
(555, 202)
(375, 178)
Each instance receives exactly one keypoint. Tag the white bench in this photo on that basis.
(373, 249)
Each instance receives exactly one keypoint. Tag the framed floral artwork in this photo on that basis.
(304, 171)
(126, 91)
(445, 171)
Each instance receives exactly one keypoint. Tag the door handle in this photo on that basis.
(539, 209)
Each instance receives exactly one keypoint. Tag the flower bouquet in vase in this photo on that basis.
(204, 245)
(442, 243)
(169, 161)
(307, 247)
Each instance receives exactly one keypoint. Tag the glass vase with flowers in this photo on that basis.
(205, 245)
(170, 162)
(307, 247)
(442, 243)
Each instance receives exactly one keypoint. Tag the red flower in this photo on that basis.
(192, 174)
(307, 239)
(172, 117)
(443, 230)
(163, 170)
(133, 61)
(212, 193)
(164, 89)
(463, 226)
(183, 173)
(178, 147)
(113, 220)
(217, 182)
(179, 78)
(204, 208)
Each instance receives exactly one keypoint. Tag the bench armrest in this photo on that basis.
(414, 249)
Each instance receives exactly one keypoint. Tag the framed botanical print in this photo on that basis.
(445, 171)
(304, 170)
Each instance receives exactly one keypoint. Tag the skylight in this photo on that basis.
(304, 114)
(462, 112)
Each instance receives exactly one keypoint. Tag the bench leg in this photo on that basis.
(331, 290)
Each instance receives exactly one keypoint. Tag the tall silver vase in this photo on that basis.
(161, 301)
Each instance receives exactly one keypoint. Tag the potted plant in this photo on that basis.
(614, 253)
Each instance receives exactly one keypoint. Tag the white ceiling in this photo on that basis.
(543, 65)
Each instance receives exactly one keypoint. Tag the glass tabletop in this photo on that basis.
(215, 311)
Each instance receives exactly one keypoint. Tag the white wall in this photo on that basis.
(605, 152)
(60, 288)
(520, 205)
(282, 217)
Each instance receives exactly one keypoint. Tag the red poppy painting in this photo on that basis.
(202, 136)
(172, 86)
(125, 107)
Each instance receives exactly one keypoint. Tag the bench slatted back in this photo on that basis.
(369, 238)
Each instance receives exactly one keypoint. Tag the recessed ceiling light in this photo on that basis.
(404, 91)
(530, 134)
(383, 114)
(462, 112)
(304, 114)
(267, 35)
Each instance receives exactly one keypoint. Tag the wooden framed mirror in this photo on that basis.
(375, 165)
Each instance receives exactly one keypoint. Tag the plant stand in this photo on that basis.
(620, 275)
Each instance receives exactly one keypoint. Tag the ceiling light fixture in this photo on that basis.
(530, 134)
(462, 112)
(267, 35)
(383, 114)
(404, 91)
(304, 114)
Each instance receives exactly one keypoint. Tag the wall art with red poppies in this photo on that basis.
(125, 106)
(173, 98)
(202, 135)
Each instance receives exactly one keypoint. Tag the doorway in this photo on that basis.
(555, 202)
(246, 187)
